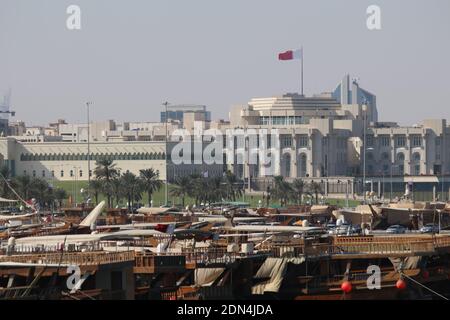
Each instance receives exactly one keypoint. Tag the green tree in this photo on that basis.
(132, 187)
(105, 171)
(5, 175)
(60, 195)
(281, 190)
(315, 188)
(95, 187)
(150, 182)
(298, 188)
(233, 187)
(23, 185)
(41, 191)
(182, 188)
(199, 187)
(215, 190)
(118, 189)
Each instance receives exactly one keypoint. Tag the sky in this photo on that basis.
(132, 55)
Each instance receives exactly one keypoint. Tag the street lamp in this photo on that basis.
(364, 114)
(166, 191)
(88, 104)
(443, 163)
(392, 167)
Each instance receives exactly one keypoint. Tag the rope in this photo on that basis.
(69, 295)
(17, 195)
(422, 285)
(86, 295)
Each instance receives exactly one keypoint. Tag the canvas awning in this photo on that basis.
(274, 269)
(147, 210)
(406, 263)
(207, 276)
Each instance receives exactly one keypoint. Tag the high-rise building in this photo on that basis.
(5, 100)
(177, 112)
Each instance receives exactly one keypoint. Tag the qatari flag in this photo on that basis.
(290, 55)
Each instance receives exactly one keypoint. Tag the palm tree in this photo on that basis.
(95, 187)
(281, 190)
(22, 185)
(60, 195)
(132, 187)
(117, 189)
(215, 190)
(315, 188)
(106, 171)
(182, 188)
(298, 187)
(150, 182)
(200, 188)
(41, 191)
(4, 173)
(232, 186)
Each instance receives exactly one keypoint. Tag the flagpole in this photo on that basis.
(301, 58)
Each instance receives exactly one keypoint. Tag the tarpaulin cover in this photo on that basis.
(274, 269)
(207, 276)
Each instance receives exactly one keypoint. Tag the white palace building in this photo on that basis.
(320, 137)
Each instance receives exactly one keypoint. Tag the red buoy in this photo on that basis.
(425, 274)
(401, 284)
(346, 286)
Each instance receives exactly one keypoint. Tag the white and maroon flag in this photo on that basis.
(291, 55)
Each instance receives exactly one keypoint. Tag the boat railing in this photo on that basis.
(368, 248)
(195, 256)
(72, 258)
(324, 281)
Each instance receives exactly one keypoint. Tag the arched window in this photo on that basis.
(302, 165)
(400, 157)
(416, 157)
(71, 173)
(385, 156)
(286, 165)
(62, 173)
(417, 169)
(268, 160)
(34, 173)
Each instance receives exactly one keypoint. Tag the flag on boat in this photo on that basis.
(291, 55)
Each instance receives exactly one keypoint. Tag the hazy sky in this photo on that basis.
(130, 56)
